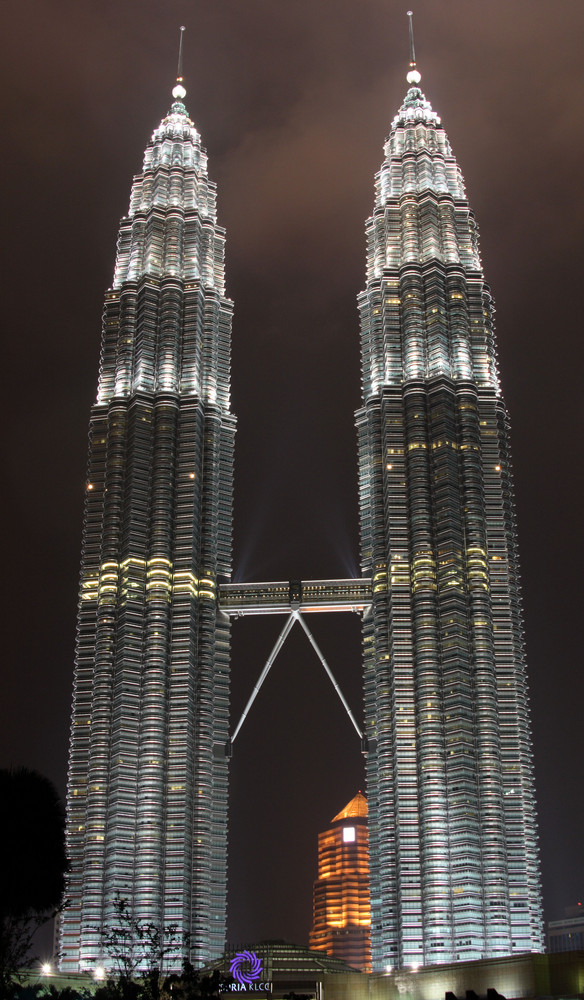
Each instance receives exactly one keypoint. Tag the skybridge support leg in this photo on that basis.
(279, 643)
(297, 616)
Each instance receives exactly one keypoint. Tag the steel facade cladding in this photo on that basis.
(147, 796)
(453, 843)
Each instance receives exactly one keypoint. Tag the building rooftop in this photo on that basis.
(355, 809)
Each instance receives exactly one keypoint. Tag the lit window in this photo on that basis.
(348, 834)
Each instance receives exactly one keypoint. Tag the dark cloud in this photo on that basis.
(294, 101)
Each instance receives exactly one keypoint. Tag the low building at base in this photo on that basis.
(277, 968)
(289, 969)
(517, 977)
(341, 906)
(567, 934)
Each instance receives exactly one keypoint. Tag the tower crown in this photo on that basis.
(418, 157)
(416, 108)
(170, 238)
(422, 224)
(174, 185)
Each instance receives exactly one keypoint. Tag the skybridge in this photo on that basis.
(294, 598)
(285, 596)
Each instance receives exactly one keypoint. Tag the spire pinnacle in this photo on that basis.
(178, 91)
(413, 75)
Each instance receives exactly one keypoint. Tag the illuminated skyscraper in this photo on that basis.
(452, 832)
(147, 795)
(341, 911)
(452, 826)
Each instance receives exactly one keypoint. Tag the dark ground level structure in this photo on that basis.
(295, 969)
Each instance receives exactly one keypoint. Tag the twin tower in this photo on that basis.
(452, 826)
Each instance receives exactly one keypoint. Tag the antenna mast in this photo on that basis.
(178, 91)
(413, 75)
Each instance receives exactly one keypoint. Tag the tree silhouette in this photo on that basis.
(138, 952)
(32, 865)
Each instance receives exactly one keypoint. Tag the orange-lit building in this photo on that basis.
(341, 908)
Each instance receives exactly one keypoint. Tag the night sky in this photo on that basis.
(293, 100)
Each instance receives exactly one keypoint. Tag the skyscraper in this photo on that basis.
(147, 795)
(454, 869)
(452, 826)
(341, 911)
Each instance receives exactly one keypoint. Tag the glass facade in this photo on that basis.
(147, 793)
(452, 826)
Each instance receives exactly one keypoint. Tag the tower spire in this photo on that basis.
(178, 91)
(413, 75)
